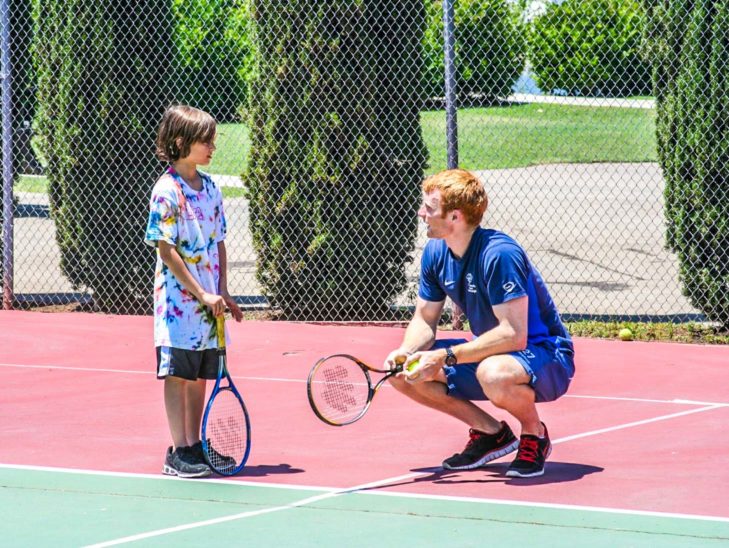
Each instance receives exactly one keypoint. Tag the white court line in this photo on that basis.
(303, 381)
(379, 483)
(253, 513)
(450, 498)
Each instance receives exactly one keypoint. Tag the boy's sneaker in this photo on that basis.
(221, 461)
(182, 463)
(529, 461)
(482, 448)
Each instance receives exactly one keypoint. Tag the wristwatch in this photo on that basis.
(450, 357)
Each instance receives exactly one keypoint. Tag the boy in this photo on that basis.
(187, 225)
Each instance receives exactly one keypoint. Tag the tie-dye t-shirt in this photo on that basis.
(194, 222)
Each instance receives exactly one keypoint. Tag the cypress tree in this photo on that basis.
(102, 83)
(337, 153)
(687, 41)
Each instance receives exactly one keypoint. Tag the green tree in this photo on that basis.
(686, 40)
(337, 154)
(590, 48)
(214, 53)
(490, 48)
(102, 79)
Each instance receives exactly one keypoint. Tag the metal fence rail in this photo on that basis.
(570, 168)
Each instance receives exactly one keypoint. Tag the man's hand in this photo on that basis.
(427, 366)
(395, 357)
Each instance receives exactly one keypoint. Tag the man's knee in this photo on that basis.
(497, 375)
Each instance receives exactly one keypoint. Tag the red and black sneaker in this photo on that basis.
(482, 448)
(529, 461)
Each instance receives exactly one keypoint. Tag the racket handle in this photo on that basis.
(221, 330)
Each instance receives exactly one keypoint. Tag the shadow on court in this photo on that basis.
(557, 472)
(263, 470)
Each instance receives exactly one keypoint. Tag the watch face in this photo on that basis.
(450, 357)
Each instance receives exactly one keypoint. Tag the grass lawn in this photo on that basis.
(493, 138)
(533, 134)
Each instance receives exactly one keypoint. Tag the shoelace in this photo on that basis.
(473, 436)
(528, 450)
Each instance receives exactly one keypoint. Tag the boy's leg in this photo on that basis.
(175, 396)
(195, 400)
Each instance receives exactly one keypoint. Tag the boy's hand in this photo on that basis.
(235, 310)
(216, 303)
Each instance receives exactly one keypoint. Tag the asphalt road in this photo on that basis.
(595, 231)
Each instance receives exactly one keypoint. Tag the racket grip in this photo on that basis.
(221, 330)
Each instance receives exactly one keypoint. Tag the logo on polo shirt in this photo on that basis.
(471, 286)
(508, 287)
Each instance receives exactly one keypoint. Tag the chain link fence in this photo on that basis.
(330, 115)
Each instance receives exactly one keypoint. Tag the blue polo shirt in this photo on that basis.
(494, 270)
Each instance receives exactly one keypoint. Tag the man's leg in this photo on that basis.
(506, 384)
(488, 440)
(433, 394)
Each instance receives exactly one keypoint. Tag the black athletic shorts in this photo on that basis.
(187, 364)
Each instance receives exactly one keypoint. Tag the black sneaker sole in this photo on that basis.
(170, 471)
(513, 446)
(518, 474)
(536, 473)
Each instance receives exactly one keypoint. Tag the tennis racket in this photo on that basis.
(226, 428)
(340, 388)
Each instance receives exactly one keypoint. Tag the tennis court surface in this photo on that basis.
(641, 455)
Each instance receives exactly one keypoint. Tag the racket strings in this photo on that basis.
(226, 432)
(340, 391)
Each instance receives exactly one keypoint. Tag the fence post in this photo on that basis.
(449, 48)
(7, 149)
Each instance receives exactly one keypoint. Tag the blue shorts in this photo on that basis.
(549, 364)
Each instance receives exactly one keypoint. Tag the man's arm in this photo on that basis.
(510, 335)
(420, 332)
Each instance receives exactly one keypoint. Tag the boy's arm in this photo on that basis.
(223, 284)
(174, 262)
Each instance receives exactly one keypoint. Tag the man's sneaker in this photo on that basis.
(182, 463)
(529, 461)
(482, 448)
(221, 462)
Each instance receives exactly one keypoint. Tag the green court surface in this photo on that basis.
(46, 507)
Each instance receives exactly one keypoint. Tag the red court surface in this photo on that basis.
(641, 429)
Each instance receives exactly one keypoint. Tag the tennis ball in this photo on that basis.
(625, 334)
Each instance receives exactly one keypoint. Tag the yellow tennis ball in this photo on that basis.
(413, 365)
(625, 334)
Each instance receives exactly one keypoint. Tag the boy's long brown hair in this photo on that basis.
(459, 189)
(189, 125)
